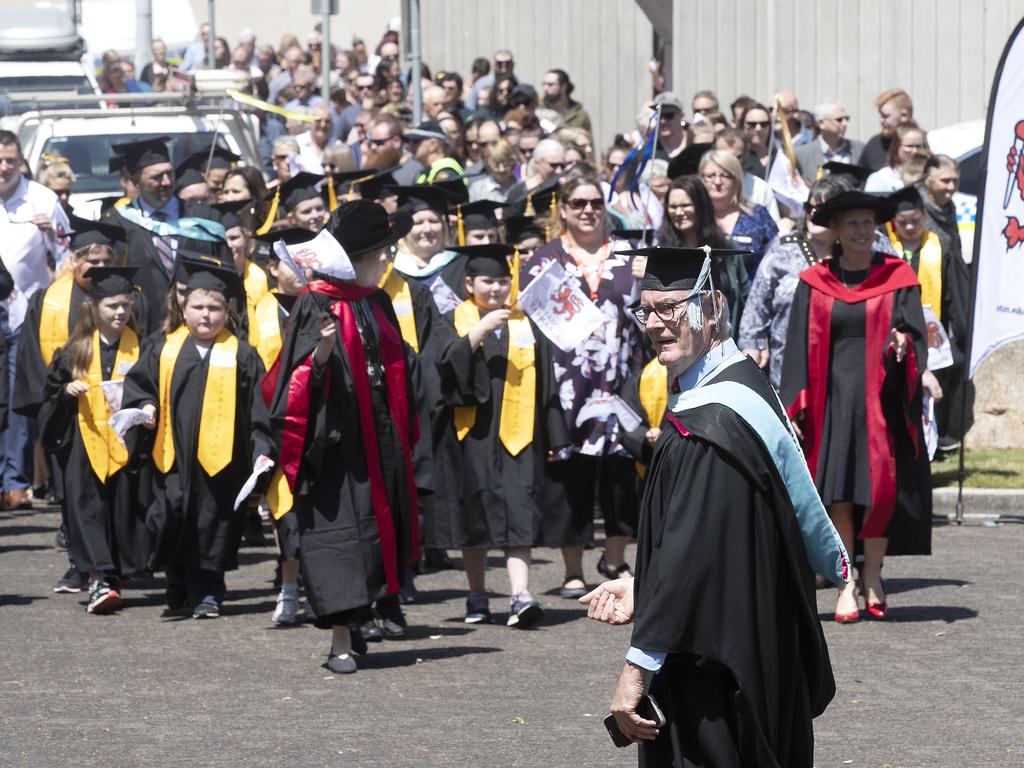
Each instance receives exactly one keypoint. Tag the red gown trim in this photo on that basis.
(885, 277)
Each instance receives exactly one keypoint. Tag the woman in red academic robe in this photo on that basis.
(852, 381)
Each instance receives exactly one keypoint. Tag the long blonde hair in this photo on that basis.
(727, 161)
(79, 343)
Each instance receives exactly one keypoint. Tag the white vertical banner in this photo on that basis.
(999, 234)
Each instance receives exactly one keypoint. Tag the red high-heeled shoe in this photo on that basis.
(877, 611)
(847, 618)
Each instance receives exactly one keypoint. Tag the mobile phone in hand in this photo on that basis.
(647, 708)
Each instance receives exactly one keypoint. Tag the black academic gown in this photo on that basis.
(191, 514)
(847, 464)
(152, 276)
(31, 371)
(500, 496)
(106, 520)
(724, 587)
(342, 560)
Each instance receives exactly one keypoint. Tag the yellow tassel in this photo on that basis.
(459, 224)
(529, 205)
(332, 196)
(553, 208)
(513, 295)
(272, 214)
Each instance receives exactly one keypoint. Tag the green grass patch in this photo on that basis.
(984, 468)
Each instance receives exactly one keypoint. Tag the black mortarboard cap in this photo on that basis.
(222, 158)
(378, 187)
(859, 173)
(486, 260)
(422, 197)
(907, 199)
(238, 213)
(677, 269)
(291, 235)
(854, 200)
(106, 203)
(139, 154)
(537, 202)
(687, 161)
(456, 189)
(105, 282)
(87, 232)
(347, 183)
(519, 228)
(206, 272)
(299, 188)
(186, 177)
(115, 164)
(479, 214)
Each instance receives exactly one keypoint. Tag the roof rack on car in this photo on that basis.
(74, 97)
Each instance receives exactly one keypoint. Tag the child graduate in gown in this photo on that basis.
(344, 415)
(497, 378)
(208, 425)
(107, 535)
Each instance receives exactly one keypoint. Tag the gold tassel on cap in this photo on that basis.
(332, 195)
(272, 214)
(529, 205)
(460, 226)
(553, 208)
(513, 295)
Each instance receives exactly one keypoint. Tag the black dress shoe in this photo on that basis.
(371, 632)
(611, 573)
(359, 645)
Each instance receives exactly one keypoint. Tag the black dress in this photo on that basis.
(106, 520)
(500, 496)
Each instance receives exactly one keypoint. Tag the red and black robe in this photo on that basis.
(859, 409)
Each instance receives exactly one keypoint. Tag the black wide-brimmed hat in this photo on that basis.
(853, 200)
(362, 226)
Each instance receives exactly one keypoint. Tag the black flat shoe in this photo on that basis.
(572, 593)
(612, 573)
(341, 665)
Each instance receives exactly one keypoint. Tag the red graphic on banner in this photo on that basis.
(305, 257)
(568, 304)
(1014, 229)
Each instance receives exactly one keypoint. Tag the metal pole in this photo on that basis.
(325, 53)
(211, 45)
(415, 65)
(143, 34)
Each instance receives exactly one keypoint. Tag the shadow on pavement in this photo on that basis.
(25, 548)
(947, 614)
(408, 658)
(895, 586)
(18, 530)
(6, 600)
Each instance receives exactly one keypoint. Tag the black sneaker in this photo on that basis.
(207, 609)
(103, 598)
(477, 610)
(524, 611)
(72, 582)
(371, 632)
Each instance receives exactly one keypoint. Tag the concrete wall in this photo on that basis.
(943, 52)
(604, 46)
(271, 19)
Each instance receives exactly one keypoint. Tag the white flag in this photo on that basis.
(999, 232)
(322, 254)
(557, 306)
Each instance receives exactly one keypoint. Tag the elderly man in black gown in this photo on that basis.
(726, 637)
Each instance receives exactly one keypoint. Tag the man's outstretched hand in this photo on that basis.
(612, 602)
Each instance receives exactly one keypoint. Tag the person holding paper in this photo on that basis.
(207, 426)
(945, 287)
(851, 380)
(107, 535)
(344, 413)
(726, 637)
(502, 417)
(52, 314)
(594, 466)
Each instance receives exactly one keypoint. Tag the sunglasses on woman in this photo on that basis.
(580, 204)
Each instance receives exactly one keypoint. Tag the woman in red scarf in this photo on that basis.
(852, 381)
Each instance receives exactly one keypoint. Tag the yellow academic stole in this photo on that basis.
(54, 315)
(265, 330)
(279, 495)
(397, 289)
(107, 454)
(217, 419)
(653, 397)
(254, 280)
(519, 398)
(929, 268)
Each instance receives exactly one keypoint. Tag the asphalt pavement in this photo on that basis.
(939, 685)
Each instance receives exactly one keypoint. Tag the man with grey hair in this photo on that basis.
(304, 83)
(433, 102)
(831, 144)
(727, 663)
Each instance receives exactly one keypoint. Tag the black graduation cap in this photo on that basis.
(456, 189)
(186, 174)
(222, 158)
(237, 213)
(687, 161)
(139, 154)
(854, 200)
(105, 282)
(859, 173)
(486, 260)
(106, 203)
(907, 199)
(479, 214)
(212, 274)
(87, 232)
(299, 188)
(378, 187)
(347, 183)
(115, 164)
(540, 202)
(422, 197)
(677, 269)
(520, 228)
(291, 236)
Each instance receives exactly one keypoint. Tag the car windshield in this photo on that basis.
(89, 156)
(46, 83)
(970, 166)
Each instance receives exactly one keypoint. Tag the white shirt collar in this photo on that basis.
(719, 358)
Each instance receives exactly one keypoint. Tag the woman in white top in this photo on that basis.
(910, 140)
